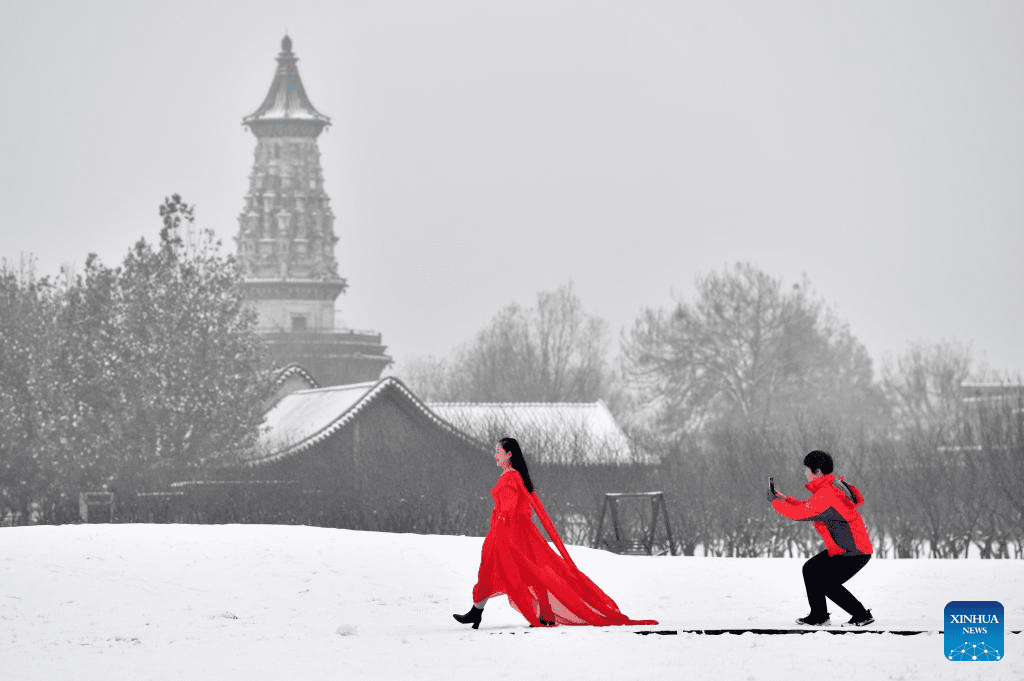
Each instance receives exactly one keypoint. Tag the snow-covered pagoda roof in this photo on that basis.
(286, 110)
(302, 419)
(548, 432)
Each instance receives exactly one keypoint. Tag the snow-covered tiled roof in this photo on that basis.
(549, 432)
(297, 370)
(304, 418)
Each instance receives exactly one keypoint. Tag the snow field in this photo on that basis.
(254, 602)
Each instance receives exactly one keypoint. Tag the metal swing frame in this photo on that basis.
(646, 544)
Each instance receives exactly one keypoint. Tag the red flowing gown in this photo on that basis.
(539, 583)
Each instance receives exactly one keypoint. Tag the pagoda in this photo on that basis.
(286, 241)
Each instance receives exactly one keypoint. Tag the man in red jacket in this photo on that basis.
(833, 510)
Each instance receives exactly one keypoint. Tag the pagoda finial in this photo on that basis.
(286, 111)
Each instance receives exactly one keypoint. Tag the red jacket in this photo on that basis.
(833, 510)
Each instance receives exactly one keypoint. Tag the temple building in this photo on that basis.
(286, 241)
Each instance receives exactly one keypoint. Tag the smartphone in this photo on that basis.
(771, 484)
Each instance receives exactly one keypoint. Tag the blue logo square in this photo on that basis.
(973, 631)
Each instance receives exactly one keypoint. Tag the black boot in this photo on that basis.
(471, 617)
(813, 620)
(546, 618)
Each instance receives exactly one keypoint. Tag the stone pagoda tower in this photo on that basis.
(286, 241)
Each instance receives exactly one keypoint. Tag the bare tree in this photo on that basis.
(924, 387)
(571, 347)
(501, 365)
(747, 348)
(998, 445)
(429, 378)
(555, 352)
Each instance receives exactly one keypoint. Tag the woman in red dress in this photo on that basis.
(545, 586)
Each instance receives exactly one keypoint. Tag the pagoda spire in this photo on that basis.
(286, 110)
(286, 229)
(286, 241)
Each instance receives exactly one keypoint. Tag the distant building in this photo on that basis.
(286, 241)
(375, 457)
(548, 432)
(992, 393)
(994, 413)
(374, 448)
(303, 419)
(992, 417)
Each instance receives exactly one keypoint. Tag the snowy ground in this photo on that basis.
(136, 602)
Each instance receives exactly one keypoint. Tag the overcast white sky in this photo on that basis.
(482, 152)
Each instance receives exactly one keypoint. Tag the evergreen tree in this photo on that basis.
(127, 378)
(183, 386)
(27, 333)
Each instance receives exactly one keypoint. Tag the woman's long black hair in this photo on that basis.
(517, 461)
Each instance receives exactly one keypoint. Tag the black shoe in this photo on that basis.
(546, 623)
(861, 620)
(471, 617)
(811, 621)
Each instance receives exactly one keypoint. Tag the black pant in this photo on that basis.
(824, 575)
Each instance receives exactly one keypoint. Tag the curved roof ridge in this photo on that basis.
(340, 387)
(373, 390)
(295, 369)
(332, 426)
